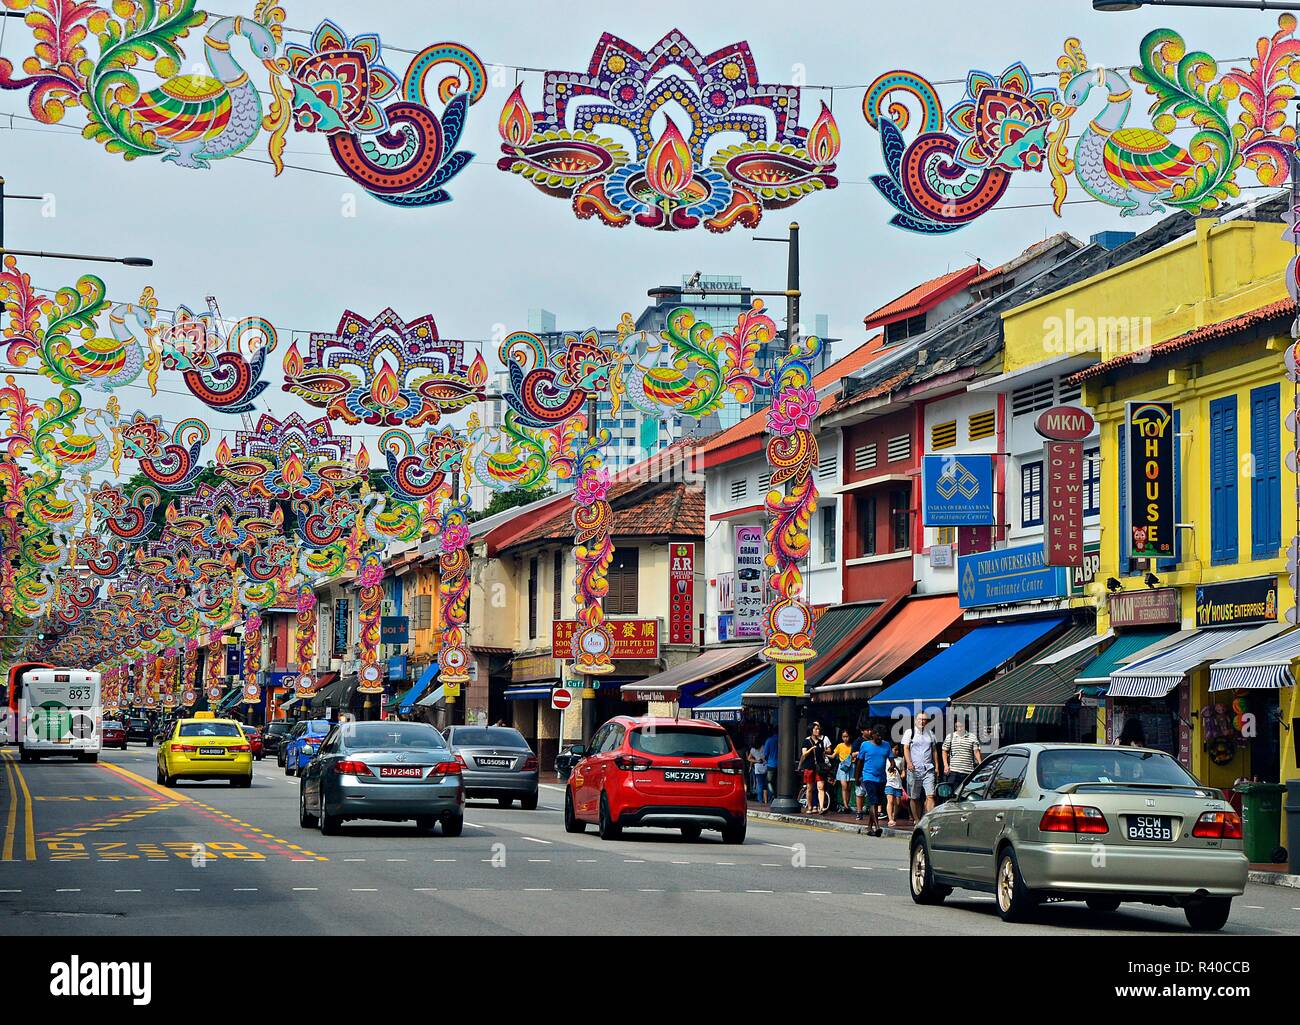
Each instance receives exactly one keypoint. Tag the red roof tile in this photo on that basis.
(1188, 339)
(922, 297)
(640, 509)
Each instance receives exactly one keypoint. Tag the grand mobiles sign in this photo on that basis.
(1150, 432)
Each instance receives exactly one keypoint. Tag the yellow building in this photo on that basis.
(1202, 323)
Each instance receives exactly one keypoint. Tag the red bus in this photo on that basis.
(14, 695)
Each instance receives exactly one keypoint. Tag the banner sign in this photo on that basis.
(681, 594)
(341, 616)
(1145, 608)
(957, 490)
(633, 638)
(1086, 571)
(397, 667)
(1007, 576)
(748, 621)
(1063, 501)
(235, 660)
(1237, 602)
(1150, 427)
(1064, 423)
(394, 629)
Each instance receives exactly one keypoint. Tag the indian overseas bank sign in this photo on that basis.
(957, 490)
(1009, 575)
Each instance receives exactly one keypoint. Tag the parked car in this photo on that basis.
(646, 771)
(206, 747)
(496, 761)
(566, 760)
(112, 734)
(138, 727)
(273, 734)
(1083, 822)
(302, 744)
(254, 736)
(383, 770)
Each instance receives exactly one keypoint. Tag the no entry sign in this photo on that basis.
(561, 698)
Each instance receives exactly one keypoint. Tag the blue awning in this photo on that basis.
(434, 696)
(229, 700)
(726, 706)
(405, 702)
(530, 692)
(963, 664)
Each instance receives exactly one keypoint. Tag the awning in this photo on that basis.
(1263, 667)
(1122, 651)
(528, 692)
(970, 660)
(1037, 691)
(408, 699)
(727, 706)
(336, 694)
(433, 697)
(914, 626)
(229, 700)
(707, 663)
(839, 631)
(1157, 676)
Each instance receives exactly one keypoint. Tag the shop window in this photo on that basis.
(532, 598)
(828, 532)
(1223, 480)
(898, 520)
(623, 598)
(1266, 484)
(1092, 482)
(866, 510)
(1031, 495)
(557, 570)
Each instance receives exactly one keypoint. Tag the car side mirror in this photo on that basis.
(577, 751)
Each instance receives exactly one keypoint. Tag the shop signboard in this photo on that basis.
(748, 618)
(957, 490)
(1158, 607)
(235, 660)
(1007, 576)
(1150, 433)
(681, 593)
(633, 638)
(1086, 571)
(1063, 503)
(1237, 602)
(394, 630)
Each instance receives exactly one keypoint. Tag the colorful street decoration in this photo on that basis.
(597, 142)
(381, 132)
(958, 164)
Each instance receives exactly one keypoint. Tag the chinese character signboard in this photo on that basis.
(1063, 512)
(1151, 480)
(1237, 602)
(748, 619)
(681, 594)
(633, 638)
(957, 490)
(1007, 576)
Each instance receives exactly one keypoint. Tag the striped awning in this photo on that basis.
(529, 692)
(1263, 667)
(1158, 675)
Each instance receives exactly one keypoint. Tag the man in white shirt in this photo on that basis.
(918, 752)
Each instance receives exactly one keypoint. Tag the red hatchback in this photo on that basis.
(254, 736)
(646, 771)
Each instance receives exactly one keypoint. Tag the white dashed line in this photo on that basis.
(126, 891)
(595, 889)
(587, 861)
(364, 889)
(867, 893)
(784, 847)
(820, 893)
(394, 859)
(708, 891)
(770, 864)
(661, 891)
(537, 889)
(354, 859)
(758, 891)
(67, 891)
(305, 889)
(441, 861)
(1253, 907)
(11, 891)
(539, 861)
(633, 861)
(727, 863)
(864, 868)
(475, 825)
(245, 889)
(425, 889)
(185, 889)
(535, 840)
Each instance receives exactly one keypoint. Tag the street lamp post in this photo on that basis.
(1110, 6)
(128, 261)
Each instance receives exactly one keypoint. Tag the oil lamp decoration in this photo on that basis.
(190, 692)
(598, 142)
(370, 595)
(791, 501)
(304, 641)
(252, 692)
(212, 671)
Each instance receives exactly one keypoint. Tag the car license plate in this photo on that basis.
(402, 771)
(495, 763)
(212, 750)
(1150, 827)
(685, 776)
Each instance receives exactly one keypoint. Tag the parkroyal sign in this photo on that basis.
(1150, 434)
(1064, 423)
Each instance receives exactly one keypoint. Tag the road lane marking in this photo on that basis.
(537, 889)
(13, 771)
(245, 889)
(68, 891)
(820, 893)
(539, 861)
(185, 889)
(11, 819)
(394, 859)
(535, 840)
(365, 889)
(588, 861)
(867, 893)
(425, 889)
(784, 847)
(354, 859)
(708, 891)
(306, 889)
(758, 891)
(595, 889)
(649, 891)
(633, 861)
(126, 891)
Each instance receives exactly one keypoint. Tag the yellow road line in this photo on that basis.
(29, 826)
(158, 788)
(15, 776)
(11, 821)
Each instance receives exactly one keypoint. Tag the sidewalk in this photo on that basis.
(1273, 875)
(831, 820)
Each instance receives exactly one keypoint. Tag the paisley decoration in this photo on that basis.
(222, 367)
(742, 153)
(289, 460)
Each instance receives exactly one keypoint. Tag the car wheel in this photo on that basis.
(288, 769)
(453, 825)
(279, 759)
(920, 876)
(306, 820)
(529, 801)
(162, 777)
(426, 824)
(1103, 904)
(691, 833)
(1209, 914)
(505, 802)
(734, 834)
(1014, 899)
(609, 829)
(572, 824)
(329, 824)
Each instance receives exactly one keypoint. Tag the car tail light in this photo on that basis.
(1069, 818)
(1218, 825)
(352, 768)
(239, 747)
(460, 760)
(633, 763)
(530, 763)
(732, 766)
(448, 768)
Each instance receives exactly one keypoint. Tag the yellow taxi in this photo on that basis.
(205, 747)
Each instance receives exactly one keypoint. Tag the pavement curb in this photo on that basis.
(818, 823)
(1274, 879)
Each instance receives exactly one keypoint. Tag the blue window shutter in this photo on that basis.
(1169, 565)
(1266, 483)
(1223, 480)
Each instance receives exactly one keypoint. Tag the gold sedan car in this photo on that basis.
(1087, 822)
(206, 747)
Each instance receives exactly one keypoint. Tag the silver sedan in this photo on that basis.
(496, 761)
(1104, 825)
(390, 771)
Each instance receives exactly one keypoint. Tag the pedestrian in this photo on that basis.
(844, 771)
(894, 776)
(813, 759)
(961, 753)
(918, 751)
(873, 759)
(772, 759)
(758, 770)
(1132, 734)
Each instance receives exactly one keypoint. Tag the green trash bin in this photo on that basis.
(1261, 818)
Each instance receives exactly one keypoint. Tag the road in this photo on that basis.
(101, 850)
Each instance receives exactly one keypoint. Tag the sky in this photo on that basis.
(289, 248)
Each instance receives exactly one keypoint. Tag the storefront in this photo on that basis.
(1249, 692)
